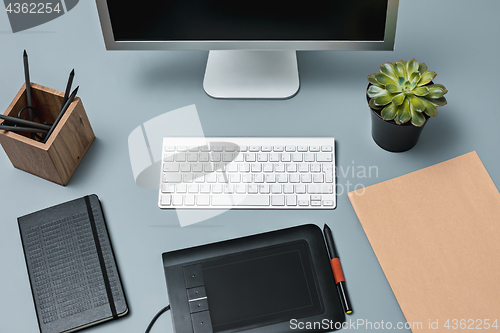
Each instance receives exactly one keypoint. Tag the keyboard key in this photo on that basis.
(327, 148)
(323, 157)
(165, 199)
(241, 188)
(320, 189)
(181, 188)
(318, 178)
(291, 167)
(315, 203)
(271, 178)
(300, 188)
(309, 157)
(294, 178)
(192, 157)
(215, 157)
(168, 188)
(315, 167)
(327, 202)
(182, 148)
(264, 189)
(262, 157)
(171, 167)
(204, 188)
(288, 188)
(203, 157)
(267, 148)
(217, 188)
(177, 200)
(258, 178)
(274, 157)
(297, 157)
(302, 148)
(290, 148)
(168, 158)
(314, 148)
(286, 157)
(189, 200)
(250, 157)
(180, 157)
(240, 200)
(172, 177)
(193, 188)
(227, 157)
(253, 189)
(169, 148)
(279, 148)
(278, 200)
(202, 200)
(276, 188)
(254, 148)
(267, 167)
(291, 200)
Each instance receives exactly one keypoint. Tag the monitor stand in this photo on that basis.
(243, 74)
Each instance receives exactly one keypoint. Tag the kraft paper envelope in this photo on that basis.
(436, 234)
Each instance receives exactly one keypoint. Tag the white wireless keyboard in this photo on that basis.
(249, 173)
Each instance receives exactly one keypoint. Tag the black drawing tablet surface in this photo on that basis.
(270, 282)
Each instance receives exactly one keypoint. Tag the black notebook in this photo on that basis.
(72, 270)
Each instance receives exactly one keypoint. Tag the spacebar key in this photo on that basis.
(240, 200)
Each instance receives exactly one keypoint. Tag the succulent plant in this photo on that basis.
(403, 91)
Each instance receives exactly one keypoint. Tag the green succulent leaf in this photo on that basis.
(372, 80)
(417, 104)
(398, 99)
(396, 119)
(375, 91)
(389, 112)
(415, 77)
(384, 79)
(401, 80)
(437, 101)
(422, 68)
(411, 67)
(440, 86)
(430, 109)
(371, 103)
(421, 91)
(388, 70)
(383, 99)
(400, 69)
(417, 118)
(393, 88)
(435, 92)
(426, 78)
(404, 112)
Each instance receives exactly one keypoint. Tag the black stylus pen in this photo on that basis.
(337, 270)
(61, 114)
(28, 85)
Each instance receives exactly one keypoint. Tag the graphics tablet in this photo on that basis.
(273, 282)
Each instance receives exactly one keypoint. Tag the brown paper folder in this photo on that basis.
(436, 234)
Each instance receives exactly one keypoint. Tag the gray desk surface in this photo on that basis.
(122, 89)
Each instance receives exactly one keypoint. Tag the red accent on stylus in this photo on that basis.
(337, 270)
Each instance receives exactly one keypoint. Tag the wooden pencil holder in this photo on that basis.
(57, 159)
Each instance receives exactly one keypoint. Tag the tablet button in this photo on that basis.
(193, 276)
(196, 293)
(201, 322)
(198, 306)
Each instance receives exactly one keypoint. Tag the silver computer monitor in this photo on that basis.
(252, 43)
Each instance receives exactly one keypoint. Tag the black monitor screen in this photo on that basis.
(256, 20)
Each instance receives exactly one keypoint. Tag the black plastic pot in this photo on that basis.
(393, 137)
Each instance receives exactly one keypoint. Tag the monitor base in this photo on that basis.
(243, 74)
